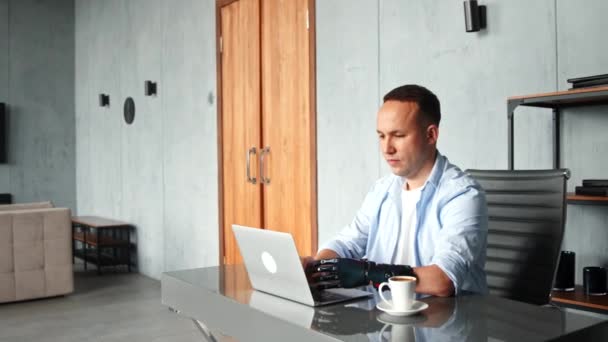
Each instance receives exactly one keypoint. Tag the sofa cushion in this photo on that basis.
(6, 244)
(35, 253)
(30, 284)
(26, 206)
(7, 287)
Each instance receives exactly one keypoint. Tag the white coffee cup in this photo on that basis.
(403, 289)
(399, 332)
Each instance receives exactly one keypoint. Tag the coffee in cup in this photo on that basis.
(402, 290)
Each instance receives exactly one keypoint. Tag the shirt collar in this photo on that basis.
(433, 179)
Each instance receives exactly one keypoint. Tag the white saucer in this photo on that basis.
(386, 318)
(388, 308)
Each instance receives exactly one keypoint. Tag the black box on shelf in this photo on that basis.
(592, 191)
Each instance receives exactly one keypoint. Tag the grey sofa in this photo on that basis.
(35, 251)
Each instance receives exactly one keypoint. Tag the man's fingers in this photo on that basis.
(325, 285)
(317, 263)
(328, 277)
(322, 276)
(326, 268)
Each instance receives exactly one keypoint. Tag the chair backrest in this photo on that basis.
(527, 214)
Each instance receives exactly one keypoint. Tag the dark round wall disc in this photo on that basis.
(129, 110)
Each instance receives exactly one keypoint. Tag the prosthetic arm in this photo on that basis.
(346, 272)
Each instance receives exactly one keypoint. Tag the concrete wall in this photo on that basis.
(159, 173)
(365, 48)
(582, 51)
(37, 83)
(4, 24)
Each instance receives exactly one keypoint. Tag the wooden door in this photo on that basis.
(240, 116)
(288, 120)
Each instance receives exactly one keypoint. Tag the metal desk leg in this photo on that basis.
(204, 330)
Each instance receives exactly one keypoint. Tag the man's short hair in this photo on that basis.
(428, 104)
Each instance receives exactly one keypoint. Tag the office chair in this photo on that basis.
(526, 219)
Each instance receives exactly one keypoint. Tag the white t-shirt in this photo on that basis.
(405, 244)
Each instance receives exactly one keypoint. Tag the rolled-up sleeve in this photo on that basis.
(462, 242)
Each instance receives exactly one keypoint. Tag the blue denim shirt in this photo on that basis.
(451, 230)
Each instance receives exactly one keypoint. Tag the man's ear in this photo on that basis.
(432, 134)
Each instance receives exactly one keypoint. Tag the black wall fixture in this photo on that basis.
(474, 16)
(3, 134)
(104, 100)
(129, 110)
(150, 88)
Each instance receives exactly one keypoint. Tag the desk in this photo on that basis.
(222, 298)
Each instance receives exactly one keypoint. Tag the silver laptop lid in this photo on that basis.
(273, 264)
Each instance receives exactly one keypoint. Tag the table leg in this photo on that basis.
(73, 245)
(115, 261)
(98, 252)
(128, 249)
(84, 246)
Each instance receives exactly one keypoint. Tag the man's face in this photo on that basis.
(405, 143)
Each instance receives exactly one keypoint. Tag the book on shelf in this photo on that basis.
(589, 81)
(592, 191)
(587, 183)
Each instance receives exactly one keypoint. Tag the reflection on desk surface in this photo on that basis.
(462, 318)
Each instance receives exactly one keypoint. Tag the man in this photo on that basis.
(427, 219)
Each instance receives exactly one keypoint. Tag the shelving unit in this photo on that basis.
(556, 101)
(103, 242)
(579, 299)
(581, 199)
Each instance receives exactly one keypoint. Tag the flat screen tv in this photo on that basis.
(3, 133)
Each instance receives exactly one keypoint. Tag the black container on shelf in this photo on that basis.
(594, 280)
(564, 280)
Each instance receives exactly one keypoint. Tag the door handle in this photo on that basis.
(249, 178)
(263, 179)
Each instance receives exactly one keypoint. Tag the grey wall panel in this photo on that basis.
(83, 101)
(4, 25)
(347, 101)
(105, 123)
(142, 141)
(582, 51)
(188, 82)
(42, 101)
(425, 42)
(586, 234)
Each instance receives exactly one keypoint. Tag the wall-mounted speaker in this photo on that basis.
(150, 88)
(474, 16)
(104, 100)
(3, 134)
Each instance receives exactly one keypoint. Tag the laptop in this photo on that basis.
(274, 267)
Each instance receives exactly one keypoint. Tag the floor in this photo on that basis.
(116, 306)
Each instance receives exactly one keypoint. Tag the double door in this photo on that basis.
(267, 121)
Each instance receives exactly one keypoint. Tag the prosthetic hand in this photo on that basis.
(346, 320)
(346, 272)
